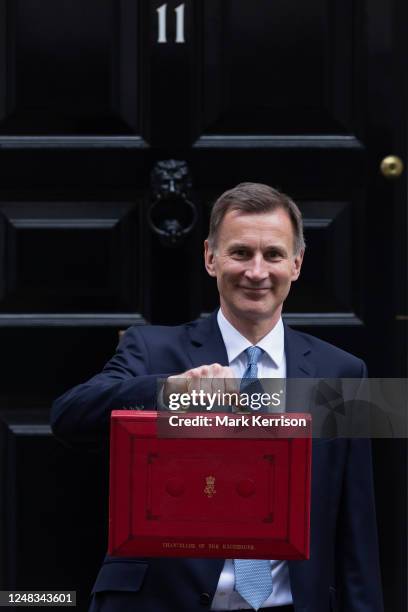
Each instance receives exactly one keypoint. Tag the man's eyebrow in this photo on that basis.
(271, 247)
(238, 245)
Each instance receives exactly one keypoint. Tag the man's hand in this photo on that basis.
(211, 379)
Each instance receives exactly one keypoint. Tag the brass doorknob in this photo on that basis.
(392, 166)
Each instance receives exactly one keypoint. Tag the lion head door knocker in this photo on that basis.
(171, 215)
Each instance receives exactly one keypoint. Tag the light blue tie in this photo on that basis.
(249, 382)
(253, 354)
(253, 578)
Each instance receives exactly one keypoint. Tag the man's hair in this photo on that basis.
(255, 198)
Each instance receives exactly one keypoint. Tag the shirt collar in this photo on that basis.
(235, 343)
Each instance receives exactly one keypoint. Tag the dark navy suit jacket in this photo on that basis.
(342, 572)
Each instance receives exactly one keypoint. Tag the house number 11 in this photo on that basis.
(162, 23)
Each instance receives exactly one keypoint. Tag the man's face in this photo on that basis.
(254, 264)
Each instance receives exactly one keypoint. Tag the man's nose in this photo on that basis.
(257, 268)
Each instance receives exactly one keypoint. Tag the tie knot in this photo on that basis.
(253, 355)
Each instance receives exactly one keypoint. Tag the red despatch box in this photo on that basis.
(222, 497)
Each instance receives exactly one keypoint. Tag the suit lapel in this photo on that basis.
(206, 345)
(299, 365)
(299, 358)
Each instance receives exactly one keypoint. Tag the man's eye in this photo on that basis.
(273, 255)
(240, 253)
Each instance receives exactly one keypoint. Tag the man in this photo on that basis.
(255, 251)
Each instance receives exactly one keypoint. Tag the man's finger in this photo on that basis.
(194, 378)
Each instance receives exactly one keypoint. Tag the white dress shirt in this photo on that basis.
(271, 364)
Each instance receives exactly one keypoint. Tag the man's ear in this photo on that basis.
(209, 257)
(297, 265)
